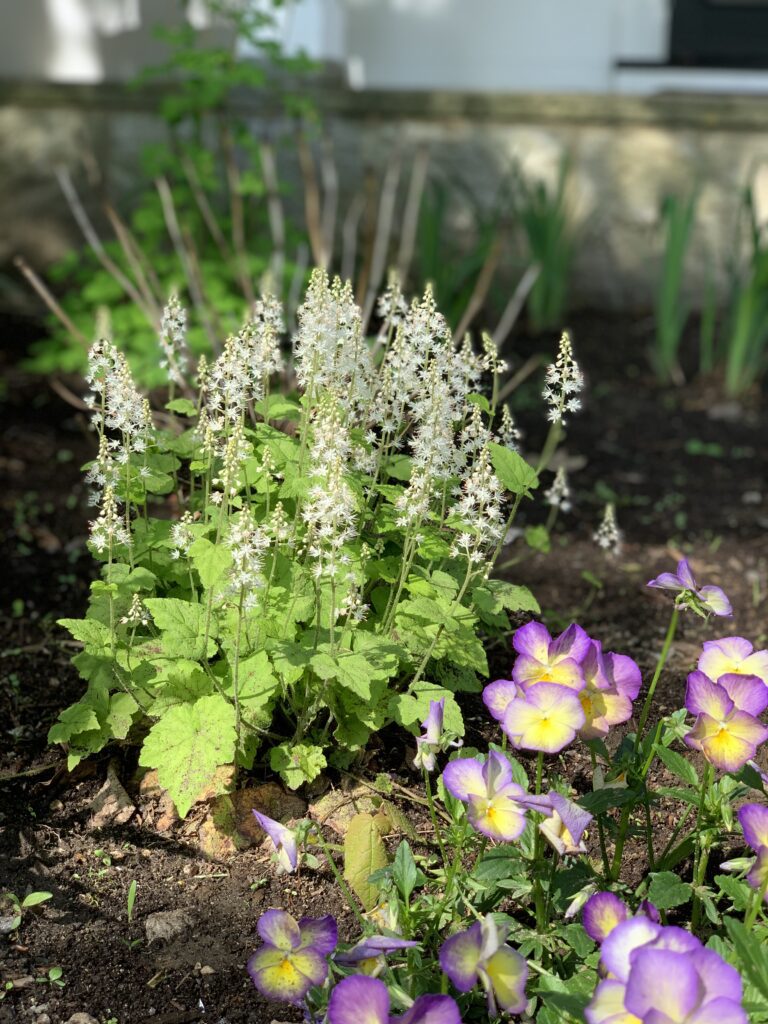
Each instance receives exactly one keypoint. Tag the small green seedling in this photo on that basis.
(131, 900)
(32, 899)
(53, 977)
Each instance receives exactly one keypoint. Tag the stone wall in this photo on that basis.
(626, 153)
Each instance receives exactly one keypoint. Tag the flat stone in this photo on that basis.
(230, 825)
(338, 807)
(81, 1018)
(168, 924)
(24, 982)
(111, 805)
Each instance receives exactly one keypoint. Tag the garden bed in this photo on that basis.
(686, 475)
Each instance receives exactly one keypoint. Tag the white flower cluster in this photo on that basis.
(109, 529)
(237, 448)
(239, 375)
(117, 404)
(563, 382)
(173, 341)
(480, 509)
(330, 350)
(330, 511)
(137, 614)
(559, 493)
(247, 544)
(182, 536)
(608, 536)
(509, 432)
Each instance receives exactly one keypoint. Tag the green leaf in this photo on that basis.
(276, 407)
(178, 682)
(398, 467)
(410, 709)
(93, 635)
(297, 763)
(753, 955)
(211, 561)
(182, 406)
(182, 625)
(405, 874)
(738, 892)
(188, 744)
(34, 899)
(123, 709)
(667, 890)
(678, 765)
(513, 471)
(493, 597)
(364, 853)
(537, 537)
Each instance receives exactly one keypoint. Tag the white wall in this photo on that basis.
(499, 45)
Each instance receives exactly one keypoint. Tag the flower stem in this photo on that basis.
(702, 854)
(340, 880)
(671, 629)
(751, 914)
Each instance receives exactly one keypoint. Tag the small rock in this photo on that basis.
(337, 808)
(56, 806)
(111, 805)
(43, 1018)
(230, 825)
(149, 786)
(25, 982)
(168, 924)
(205, 969)
(81, 1018)
(8, 924)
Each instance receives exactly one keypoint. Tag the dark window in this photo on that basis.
(719, 33)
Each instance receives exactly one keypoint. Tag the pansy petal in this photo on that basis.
(624, 673)
(464, 778)
(758, 873)
(320, 933)
(663, 981)
(430, 1010)
(715, 600)
(359, 1000)
(460, 957)
(508, 973)
(720, 980)
(373, 946)
(602, 913)
(286, 976)
(703, 697)
(433, 723)
(498, 695)
(756, 665)
(719, 657)
(498, 818)
(666, 581)
(279, 929)
(685, 574)
(748, 693)
(623, 940)
(726, 750)
(546, 720)
(533, 640)
(607, 1005)
(573, 643)
(719, 1011)
(753, 819)
(283, 839)
(575, 818)
(497, 772)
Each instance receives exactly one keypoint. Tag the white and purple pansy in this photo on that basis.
(362, 1000)
(294, 956)
(479, 954)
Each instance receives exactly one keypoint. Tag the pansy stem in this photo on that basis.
(671, 629)
(340, 880)
(601, 829)
(433, 817)
(702, 854)
(538, 892)
(757, 902)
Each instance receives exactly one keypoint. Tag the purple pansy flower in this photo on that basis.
(726, 731)
(497, 697)
(663, 975)
(547, 718)
(479, 954)
(284, 841)
(703, 600)
(432, 741)
(733, 655)
(294, 956)
(373, 946)
(362, 1000)
(564, 828)
(753, 819)
(544, 660)
(496, 805)
(612, 682)
(605, 911)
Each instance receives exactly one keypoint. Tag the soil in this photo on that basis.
(687, 474)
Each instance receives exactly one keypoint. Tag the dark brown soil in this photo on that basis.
(683, 482)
